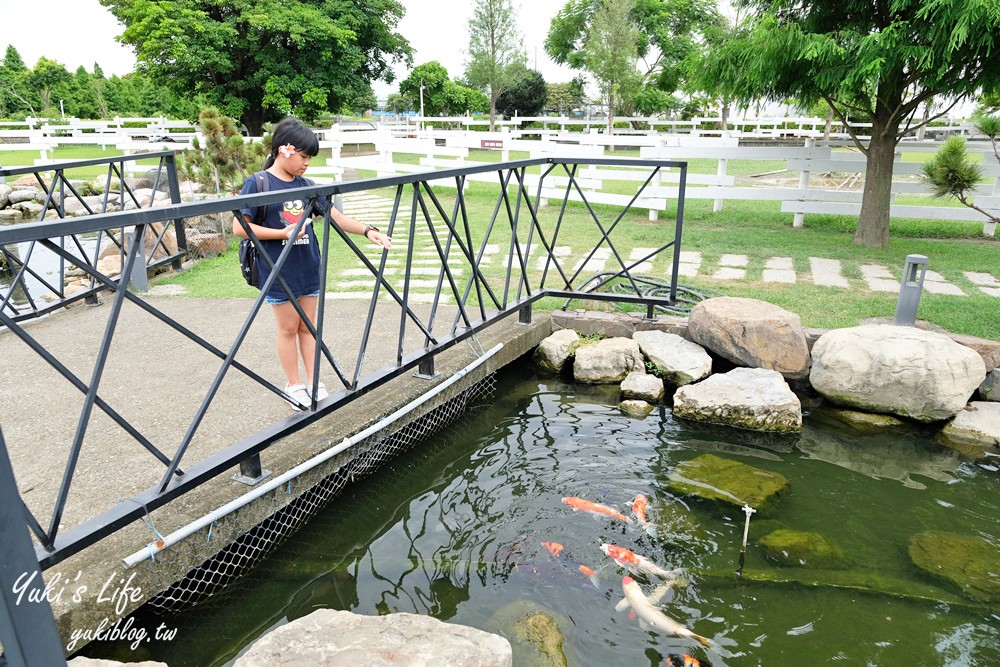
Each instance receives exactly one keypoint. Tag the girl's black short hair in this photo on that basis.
(292, 131)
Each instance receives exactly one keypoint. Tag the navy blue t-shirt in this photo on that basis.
(301, 269)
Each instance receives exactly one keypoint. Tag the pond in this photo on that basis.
(455, 529)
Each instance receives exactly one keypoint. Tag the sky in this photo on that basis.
(82, 32)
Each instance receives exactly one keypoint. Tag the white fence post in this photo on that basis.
(721, 171)
(657, 182)
(800, 218)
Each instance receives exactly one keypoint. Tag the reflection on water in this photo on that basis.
(44, 267)
(455, 529)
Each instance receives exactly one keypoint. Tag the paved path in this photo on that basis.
(356, 283)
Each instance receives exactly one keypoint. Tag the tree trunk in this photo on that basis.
(873, 222)
(829, 123)
(725, 116)
(493, 111)
(253, 118)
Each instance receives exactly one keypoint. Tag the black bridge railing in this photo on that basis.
(493, 252)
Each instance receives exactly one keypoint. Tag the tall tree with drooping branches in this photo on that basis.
(258, 60)
(873, 61)
(496, 50)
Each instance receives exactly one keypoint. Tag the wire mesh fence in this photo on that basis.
(241, 549)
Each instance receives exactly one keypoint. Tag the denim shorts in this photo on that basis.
(275, 300)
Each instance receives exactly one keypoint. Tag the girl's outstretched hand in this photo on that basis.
(380, 239)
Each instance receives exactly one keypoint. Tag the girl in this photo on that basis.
(292, 146)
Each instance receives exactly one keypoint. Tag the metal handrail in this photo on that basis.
(481, 302)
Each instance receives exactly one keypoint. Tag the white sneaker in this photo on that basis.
(299, 395)
(321, 392)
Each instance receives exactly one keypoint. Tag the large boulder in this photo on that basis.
(897, 370)
(727, 481)
(5, 190)
(966, 561)
(751, 333)
(556, 349)
(989, 390)
(975, 431)
(608, 360)
(329, 637)
(750, 398)
(677, 360)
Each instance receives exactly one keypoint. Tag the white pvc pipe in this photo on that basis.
(153, 548)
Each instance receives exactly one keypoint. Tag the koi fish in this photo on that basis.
(651, 616)
(579, 504)
(637, 563)
(639, 505)
(554, 547)
(682, 661)
(590, 574)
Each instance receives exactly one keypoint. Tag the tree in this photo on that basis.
(563, 97)
(258, 61)
(872, 61)
(226, 160)
(46, 76)
(397, 103)
(441, 95)
(671, 31)
(610, 53)
(496, 50)
(15, 95)
(526, 97)
(952, 174)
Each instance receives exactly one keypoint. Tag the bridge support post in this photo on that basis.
(27, 628)
(251, 473)
(425, 370)
(524, 314)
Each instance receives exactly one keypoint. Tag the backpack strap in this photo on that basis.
(263, 185)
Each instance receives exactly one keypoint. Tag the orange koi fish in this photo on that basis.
(636, 563)
(590, 574)
(639, 505)
(554, 547)
(581, 505)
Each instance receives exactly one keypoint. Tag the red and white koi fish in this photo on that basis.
(651, 616)
(637, 563)
(639, 506)
(590, 574)
(581, 505)
(554, 547)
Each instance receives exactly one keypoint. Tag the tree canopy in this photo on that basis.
(526, 97)
(258, 60)
(873, 61)
(496, 50)
(441, 95)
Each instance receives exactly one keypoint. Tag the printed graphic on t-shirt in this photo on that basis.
(291, 212)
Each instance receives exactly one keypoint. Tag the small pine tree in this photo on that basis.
(226, 160)
(952, 174)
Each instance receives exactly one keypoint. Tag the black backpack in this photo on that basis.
(248, 251)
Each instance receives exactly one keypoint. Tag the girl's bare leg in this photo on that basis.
(287, 336)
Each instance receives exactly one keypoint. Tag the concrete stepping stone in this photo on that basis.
(986, 283)
(779, 270)
(827, 272)
(878, 278)
(732, 267)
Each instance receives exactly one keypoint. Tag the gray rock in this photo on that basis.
(751, 333)
(642, 386)
(635, 408)
(29, 210)
(328, 638)
(896, 370)
(556, 349)
(4, 191)
(205, 245)
(22, 195)
(606, 361)
(677, 360)
(975, 431)
(989, 390)
(10, 216)
(752, 398)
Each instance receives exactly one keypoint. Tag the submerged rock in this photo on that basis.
(752, 398)
(800, 548)
(968, 562)
(714, 478)
(975, 431)
(555, 350)
(860, 421)
(542, 631)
